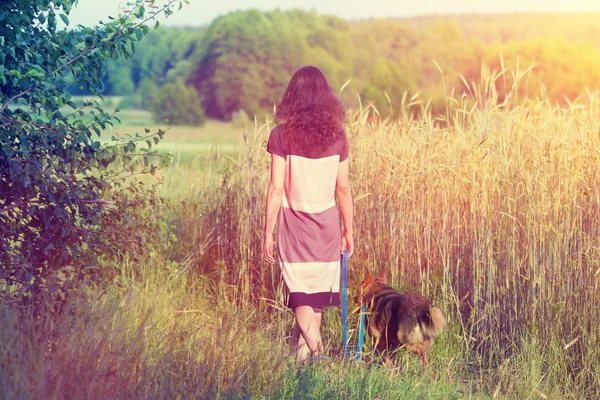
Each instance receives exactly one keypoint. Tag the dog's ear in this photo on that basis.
(368, 279)
(382, 277)
(364, 287)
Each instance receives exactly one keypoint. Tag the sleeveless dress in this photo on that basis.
(308, 231)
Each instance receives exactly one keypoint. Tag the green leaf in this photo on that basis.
(139, 35)
(33, 73)
(65, 19)
(67, 4)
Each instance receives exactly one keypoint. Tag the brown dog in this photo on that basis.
(397, 320)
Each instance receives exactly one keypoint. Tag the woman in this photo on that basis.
(309, 166)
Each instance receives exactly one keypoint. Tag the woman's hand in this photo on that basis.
(268, 249)
(344, 195)
(347, 243)
(274, 198)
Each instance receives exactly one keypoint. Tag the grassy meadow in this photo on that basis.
(490, 210)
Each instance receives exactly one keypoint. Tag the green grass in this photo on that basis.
(212, 132)
(156, 334)
(187, 145)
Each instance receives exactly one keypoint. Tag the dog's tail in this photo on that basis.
(432, 321)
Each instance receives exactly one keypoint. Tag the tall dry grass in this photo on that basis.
(154, 335)
(491, 210)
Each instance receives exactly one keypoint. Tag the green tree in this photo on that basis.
(164, 55)
(387, 86)
(119, 80)
(162, 51)
(65, 198)
(248, 58)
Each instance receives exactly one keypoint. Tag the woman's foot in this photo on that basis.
(302, 354)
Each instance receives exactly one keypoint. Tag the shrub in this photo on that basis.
(177, 103)
(67, 200)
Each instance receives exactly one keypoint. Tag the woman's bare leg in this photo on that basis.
(309, 340)
(302, 351)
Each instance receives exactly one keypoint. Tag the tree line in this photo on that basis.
(241, 62)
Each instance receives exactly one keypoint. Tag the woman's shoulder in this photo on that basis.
(276, 143)
(344, 146)
(278, 132)
(278, 128)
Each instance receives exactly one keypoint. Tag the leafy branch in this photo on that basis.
(67, 201)
(118, 33)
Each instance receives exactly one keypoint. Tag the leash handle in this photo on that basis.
(345, 303)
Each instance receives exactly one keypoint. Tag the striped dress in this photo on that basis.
(308, 231)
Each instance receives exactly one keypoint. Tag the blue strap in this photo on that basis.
(363, 310)
(361, 331)
(345, 303)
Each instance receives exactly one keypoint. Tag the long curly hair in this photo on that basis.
(311, 111)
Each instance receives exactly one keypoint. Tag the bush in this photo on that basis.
(68, 202)
(129, 101)
(240, 119)
(177, 103)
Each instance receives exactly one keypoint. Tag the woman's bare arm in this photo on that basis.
(274, 198)
(344, 195)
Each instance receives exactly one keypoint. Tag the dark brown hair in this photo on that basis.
(313, 114)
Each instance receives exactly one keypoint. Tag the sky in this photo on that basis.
(201, 12)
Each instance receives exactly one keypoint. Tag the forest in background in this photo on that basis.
(241, 62)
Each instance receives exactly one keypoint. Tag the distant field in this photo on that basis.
(212, 132)
(225, 136)
(185, 143)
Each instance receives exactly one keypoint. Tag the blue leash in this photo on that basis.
(345, 303)
(361, 329)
